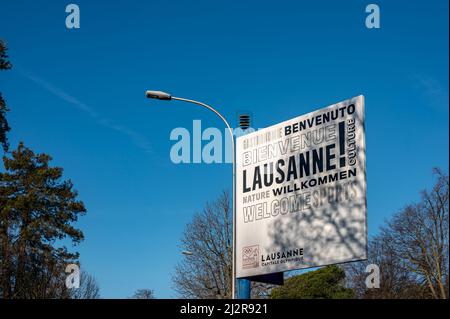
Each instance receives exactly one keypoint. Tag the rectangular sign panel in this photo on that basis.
(301, 192)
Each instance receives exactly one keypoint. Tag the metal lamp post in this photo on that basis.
(166, 96)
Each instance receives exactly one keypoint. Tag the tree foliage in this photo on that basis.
(37, 210)
(324, 283)
(4, 127)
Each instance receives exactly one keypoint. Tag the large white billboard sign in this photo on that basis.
(301, 192)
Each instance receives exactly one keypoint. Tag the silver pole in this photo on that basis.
(233, 279)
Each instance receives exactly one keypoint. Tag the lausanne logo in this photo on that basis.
(250, 257)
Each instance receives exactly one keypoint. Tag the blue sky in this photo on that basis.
(79, 96)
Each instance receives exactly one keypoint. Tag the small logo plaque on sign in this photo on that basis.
(250, 256)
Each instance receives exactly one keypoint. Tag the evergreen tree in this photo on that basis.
(37, 210)
(4, 127)
(324, 283)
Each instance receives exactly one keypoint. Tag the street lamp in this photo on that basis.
(159, 95)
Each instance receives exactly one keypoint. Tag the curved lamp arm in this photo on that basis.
(166, 96)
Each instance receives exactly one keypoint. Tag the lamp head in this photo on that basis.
(159, 95)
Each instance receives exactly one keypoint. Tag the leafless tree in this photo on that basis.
(89, 288)
(411, 250)
(144, 294)
(419, 234)
(206, 272)
(396, 281)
